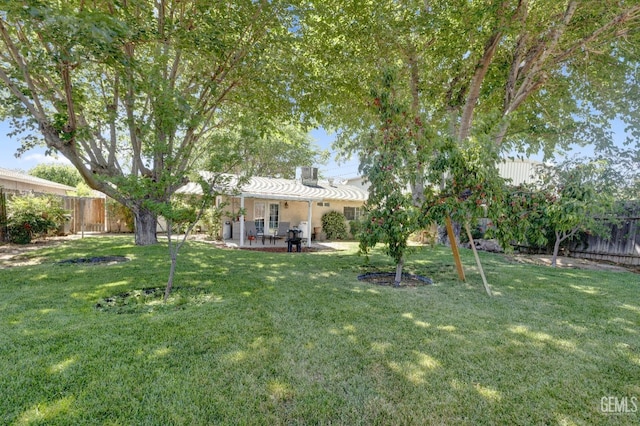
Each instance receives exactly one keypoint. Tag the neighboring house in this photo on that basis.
(19, 183)
(86, 213)
(299, 202)
(518, 171)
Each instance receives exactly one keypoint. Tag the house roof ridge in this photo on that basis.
(26, 178)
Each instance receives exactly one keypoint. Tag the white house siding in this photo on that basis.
(17, 183)
(519, 171)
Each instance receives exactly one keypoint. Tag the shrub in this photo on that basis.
(30, 217)
(334, 225)
(355, 228)
(212, 219)
(476, 233)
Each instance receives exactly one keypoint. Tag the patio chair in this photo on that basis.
(251, 232)
(281, 232)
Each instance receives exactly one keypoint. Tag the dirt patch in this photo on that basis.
(388, 279)
(95, 260)
(18, 254)
(569, 263)
(130, 298)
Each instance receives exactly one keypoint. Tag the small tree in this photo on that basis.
(391, 214)
(572, 197)
(184, 210)
(581, 196)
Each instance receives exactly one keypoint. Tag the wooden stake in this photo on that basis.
(475, 254)
(454, 249)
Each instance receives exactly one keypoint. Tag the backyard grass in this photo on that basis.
(294, 338)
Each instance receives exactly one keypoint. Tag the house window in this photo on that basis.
(274, 210)
(352, 213)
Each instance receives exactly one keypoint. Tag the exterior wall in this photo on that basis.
(519, 171)
(294, 212)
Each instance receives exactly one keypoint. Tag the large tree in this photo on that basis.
(273, 152)
(484, 75)
(129, 90)
(517, 73)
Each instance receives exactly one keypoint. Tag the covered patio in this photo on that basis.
(268, 204)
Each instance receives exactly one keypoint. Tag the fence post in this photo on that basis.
(4, 234)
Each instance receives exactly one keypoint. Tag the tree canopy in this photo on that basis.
(128, 91)
(64, 174)
(483, 78)
(517, 74)
(135, 93)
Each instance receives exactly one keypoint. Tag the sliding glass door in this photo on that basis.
(264, 223)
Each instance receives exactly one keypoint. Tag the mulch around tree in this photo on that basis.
(95, 260)
(388, 279)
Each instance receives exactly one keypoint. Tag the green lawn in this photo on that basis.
(277, 338)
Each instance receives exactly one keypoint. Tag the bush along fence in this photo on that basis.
(29, 215)
(621, 246)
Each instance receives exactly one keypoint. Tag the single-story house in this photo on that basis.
(301, 202)
(19, 183)
(86, 213)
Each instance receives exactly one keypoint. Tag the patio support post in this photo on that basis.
(307, 231)
(242, 220)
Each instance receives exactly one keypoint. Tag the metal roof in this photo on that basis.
(290, 189)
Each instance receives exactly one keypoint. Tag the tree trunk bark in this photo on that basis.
(145, 223)
(172, 272)
(556, 249)
(398, 279)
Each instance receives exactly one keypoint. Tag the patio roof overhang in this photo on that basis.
(279, 197)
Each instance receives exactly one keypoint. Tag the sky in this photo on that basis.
(30, 159)
(333, 169)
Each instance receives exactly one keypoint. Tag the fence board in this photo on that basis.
(3, 216)
(620, 245)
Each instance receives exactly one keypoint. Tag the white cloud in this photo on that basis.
(38, 158)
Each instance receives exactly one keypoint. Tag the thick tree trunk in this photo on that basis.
(145, 223)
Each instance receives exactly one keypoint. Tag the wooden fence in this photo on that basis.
(87, 215)
(3, 216)
(620, 245)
